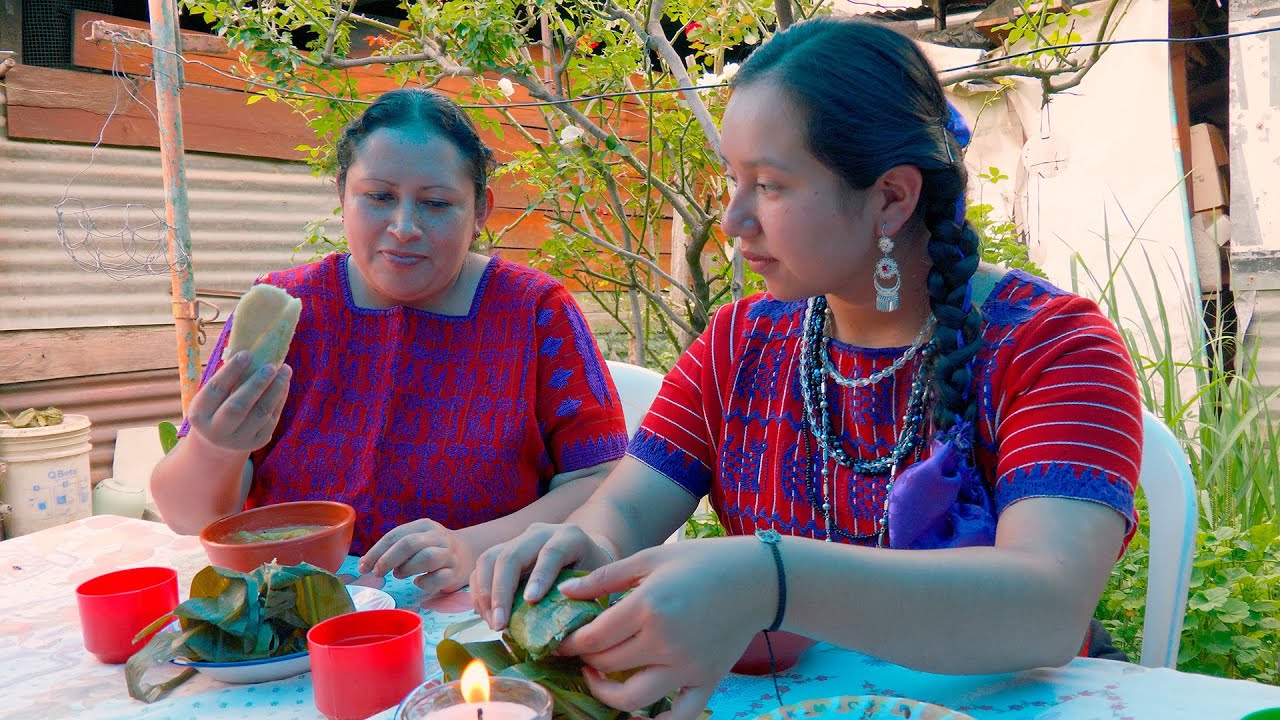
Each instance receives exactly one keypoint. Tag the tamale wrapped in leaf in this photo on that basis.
(527, 650)
(233, 616)
(540, 627)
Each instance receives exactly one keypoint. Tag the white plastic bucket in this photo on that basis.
(47, 476)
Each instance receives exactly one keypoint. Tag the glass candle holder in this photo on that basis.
(509, 699)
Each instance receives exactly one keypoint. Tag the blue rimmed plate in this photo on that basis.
(252, 671)
(863, 707)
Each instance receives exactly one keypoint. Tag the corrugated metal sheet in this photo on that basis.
(111, 402)
(247, 215)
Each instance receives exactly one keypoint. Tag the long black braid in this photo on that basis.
(872, 102)
(953, 248)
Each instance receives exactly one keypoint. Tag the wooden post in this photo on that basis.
(167, 72)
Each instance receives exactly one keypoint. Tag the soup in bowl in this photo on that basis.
(313, 531)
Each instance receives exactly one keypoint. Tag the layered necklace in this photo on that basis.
(815, 367)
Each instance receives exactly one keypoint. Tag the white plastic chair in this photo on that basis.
(137, 452)
(1170, 488)
(637, 388)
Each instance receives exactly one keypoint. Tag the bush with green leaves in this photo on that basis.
(1230, 438)
(1233, 618)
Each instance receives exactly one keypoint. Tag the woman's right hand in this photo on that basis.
(547, 549)
(238, 409)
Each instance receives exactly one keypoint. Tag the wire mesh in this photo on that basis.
(48, 31)
(119, 240)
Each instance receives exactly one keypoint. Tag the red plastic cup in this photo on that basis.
(365, 662)
(116, 606)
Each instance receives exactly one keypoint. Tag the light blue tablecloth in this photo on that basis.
(45, 672)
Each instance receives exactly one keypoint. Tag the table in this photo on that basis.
(46, 673)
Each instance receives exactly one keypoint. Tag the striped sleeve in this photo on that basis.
(1069, 419)
(678, 437)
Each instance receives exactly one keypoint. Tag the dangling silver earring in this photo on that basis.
(887, 279)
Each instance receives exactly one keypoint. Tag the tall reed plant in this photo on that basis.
(1224, 424)
(1231, 438)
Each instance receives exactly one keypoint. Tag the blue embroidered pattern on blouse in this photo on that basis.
(686, 471)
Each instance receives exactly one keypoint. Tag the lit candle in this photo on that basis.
(477, 697)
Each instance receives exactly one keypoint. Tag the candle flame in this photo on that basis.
(475, 682)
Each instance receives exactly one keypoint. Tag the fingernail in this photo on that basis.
(241, 357)
(569, 584)
(532, 591)
(499, 619)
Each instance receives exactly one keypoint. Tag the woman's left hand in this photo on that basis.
(693, 609)
(423, 547)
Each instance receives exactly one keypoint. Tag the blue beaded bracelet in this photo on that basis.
(771, 538)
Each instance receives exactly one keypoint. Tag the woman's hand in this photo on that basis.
(239, 408)
(424, 547)
(547, 549)
(693, 608)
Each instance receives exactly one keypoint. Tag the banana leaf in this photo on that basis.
(540, 627)
(527, 650)
(233, 617)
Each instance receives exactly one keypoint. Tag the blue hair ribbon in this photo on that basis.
(959, 129)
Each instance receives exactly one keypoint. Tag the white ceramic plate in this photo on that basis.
(367, 598)
(252, 671)
(478, 631)
(278, 668)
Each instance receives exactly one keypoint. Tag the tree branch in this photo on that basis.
(785, 16)
(1070, 67)
(627, 254)
(654, 37)
(332, 37)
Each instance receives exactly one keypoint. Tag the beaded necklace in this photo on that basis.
(817, 423)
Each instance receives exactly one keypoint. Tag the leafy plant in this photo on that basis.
(1225, 425)
(168, 436)
(1231, 624)
(703, 525)
(1042, 27)
(1230, 437)
(1002, 242)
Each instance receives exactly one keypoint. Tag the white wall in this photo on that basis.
(1100, 160)
(1255, 126)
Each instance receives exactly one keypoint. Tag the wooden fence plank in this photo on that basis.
(212, 70)
(69, 106)
(32, 355)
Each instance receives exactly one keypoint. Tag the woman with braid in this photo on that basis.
(914, 458)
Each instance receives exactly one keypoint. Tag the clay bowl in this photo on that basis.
(325, 548)
(787, 649)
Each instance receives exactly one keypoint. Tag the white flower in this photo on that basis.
(729, 71)
(708, 80)
(506, 87)
(570, 134)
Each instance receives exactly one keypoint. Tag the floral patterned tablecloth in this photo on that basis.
(46, 673)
